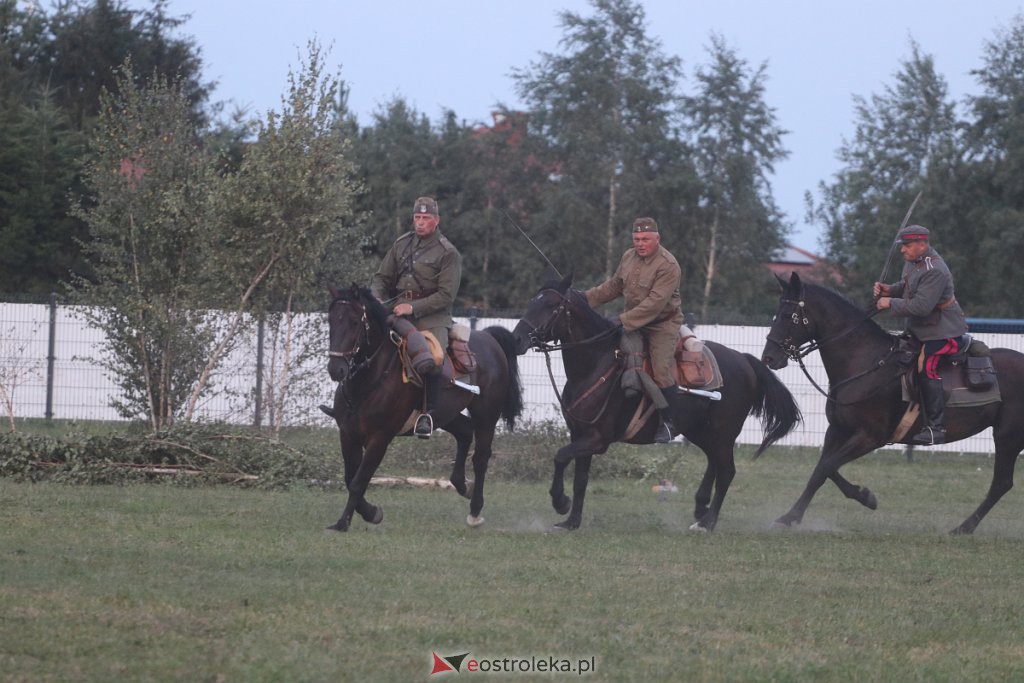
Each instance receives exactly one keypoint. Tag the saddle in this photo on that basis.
(968, 376)
(421, 354)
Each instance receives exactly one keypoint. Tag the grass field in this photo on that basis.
(155, 582)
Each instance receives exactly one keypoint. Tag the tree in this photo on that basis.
(904, 141)
(276, 217)
(148, 178)
(736, 141)
(991, 187)
(605, 109)
(90, 40)
(39, 168)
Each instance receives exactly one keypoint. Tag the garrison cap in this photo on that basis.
(645, 225)
(911, 233)
(425, 205)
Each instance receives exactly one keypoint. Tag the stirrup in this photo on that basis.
(929, 436)
(664, 433)
(424, 426)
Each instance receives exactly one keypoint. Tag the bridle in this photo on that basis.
(796, 352)
(540, 334)
(356, 357)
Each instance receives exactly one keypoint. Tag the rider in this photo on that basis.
(925, 296)
(420, 275)
(648, 280)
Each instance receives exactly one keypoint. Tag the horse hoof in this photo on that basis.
(562, 506)
(338, 526)
(565, 526)
(696, 526)
(869, 501)
(779, 524)
(378, 516)
(474, 521)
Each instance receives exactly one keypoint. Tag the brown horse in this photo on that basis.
(598, 412)
(372, 403)
(865, 401)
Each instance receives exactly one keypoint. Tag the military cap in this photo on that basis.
(911, 233)
(645, 225)
(425, 205)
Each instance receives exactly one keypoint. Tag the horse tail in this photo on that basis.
(513, 406)
(774, 404)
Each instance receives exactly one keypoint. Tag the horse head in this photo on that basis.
(355, 320)
(791, 326)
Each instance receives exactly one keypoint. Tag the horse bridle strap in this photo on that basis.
(538, 344)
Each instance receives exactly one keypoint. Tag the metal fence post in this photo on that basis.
(260, 331)
(51, 355)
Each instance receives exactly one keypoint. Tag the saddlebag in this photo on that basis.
(980, 373)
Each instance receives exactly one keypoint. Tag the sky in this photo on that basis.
(460, 55)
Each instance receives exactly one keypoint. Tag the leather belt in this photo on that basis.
(410, 294)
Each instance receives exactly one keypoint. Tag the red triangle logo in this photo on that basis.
(440, 665)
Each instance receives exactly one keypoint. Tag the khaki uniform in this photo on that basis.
(424, 273)
(650, 288)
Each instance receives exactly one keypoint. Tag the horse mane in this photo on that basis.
(839, 301)
(367, 300)
(563, 287)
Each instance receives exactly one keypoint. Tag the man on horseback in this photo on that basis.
(648, 280)
(420, 276)
(925, 296)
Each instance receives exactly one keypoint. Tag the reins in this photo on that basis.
(546, 348)
(797, 353)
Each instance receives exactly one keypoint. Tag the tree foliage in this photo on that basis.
(735, 140)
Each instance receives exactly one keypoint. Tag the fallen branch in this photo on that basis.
(420, 482)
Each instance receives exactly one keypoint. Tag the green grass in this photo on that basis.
(155, 582)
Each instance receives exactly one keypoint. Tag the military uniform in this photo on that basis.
(650, 288)
(925, 296)
(424, 273)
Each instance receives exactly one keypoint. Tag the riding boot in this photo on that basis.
(425, 422)
(665, 430)
(933, 400)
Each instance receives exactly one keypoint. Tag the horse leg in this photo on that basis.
(358, 482)
(725, 471)
(1008, 446)
(559, 500)
(462, 429)
(481, 457)
(580, 479)
(839, 448)
(702, 499)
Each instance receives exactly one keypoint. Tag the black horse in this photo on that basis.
(372, 403)
(865, 401)
(599, 413)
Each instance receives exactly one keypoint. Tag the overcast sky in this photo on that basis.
(459, 54)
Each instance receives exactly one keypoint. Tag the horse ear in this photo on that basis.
(782, 282)
(334, 291)
(794, 283)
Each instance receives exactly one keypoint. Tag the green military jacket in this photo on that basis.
(424, 273)
(650, 287)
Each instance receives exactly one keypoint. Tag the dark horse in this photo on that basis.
(598, 412)
(372, 403)
(865, 401)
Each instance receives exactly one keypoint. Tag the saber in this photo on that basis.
(892, 248)
(531, 242)
(471, 388)
(713, 395)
